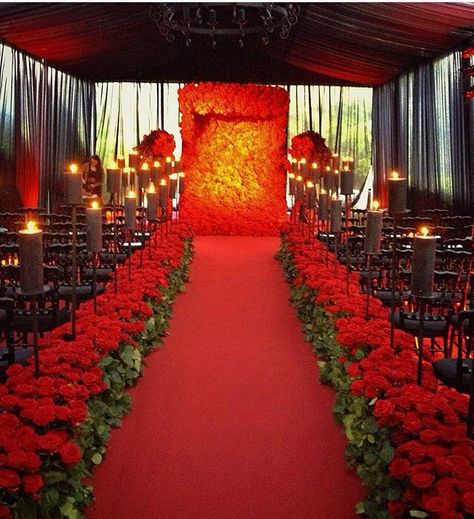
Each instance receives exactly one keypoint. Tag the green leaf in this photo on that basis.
(360, 508)
(96, 459)
(418, 513)
(50, 497)
(53, 477)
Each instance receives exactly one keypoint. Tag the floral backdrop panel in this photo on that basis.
(234, 158)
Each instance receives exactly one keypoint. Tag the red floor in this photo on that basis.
(229, 420)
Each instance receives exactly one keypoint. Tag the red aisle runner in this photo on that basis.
(230, 421)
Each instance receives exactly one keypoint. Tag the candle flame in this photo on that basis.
(424, 231)
(134, 152)
(309, 185)
(410, 235)
(328, 168)
(291, 175)
(303, 161)
(126, 170)
(151, 188)
(181, 175)
(15, 261)
(375, 205)
(394, 175)
(31, 226)
(145, 166)
(173, 176)
(131, 194)
(299, 178)
(156, 164)
(95, 204)
(314, 165)
(336, 172)
(351, 159)
(346, 168)
(168, 159)
(335, 155)
(73, 168)
(162, 182)
(335, 197)
(323, 192)
(294, 161)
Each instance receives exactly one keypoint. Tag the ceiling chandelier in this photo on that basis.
(224, 20)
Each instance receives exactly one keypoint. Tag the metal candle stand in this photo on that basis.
(394, 276)
(369, 286)
(130, 233)
(72, 336)
(348, 260)
(34, 315)
(94, 280)
(422, 306)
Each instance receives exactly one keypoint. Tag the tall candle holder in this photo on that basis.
(373, 236)
(335, 209)
(347, 189)
(130, 225)
(397, 207)
(32, 277)
(73, 181)
(152, 204)
(94, 242)
(424, 257)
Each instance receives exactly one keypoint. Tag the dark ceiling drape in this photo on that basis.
(45, 121)
(419, 128)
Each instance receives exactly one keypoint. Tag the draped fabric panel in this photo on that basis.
(29, 76)
(127, 111)
(46, 120)
(342, 115)
(7, 121)
(419, 128)
(68, 132)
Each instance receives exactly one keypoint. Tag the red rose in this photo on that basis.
(52, 440)
(16, 458)
(396, 508)
(451, 515)
(33, 483)
(399, 468)
(9, 479)
(44, 415)
(70, 453)
(468, 501)
(436, 504)
(383, 409)
(33, 461)
(422, 479)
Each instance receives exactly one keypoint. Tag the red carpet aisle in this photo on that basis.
(229, 421)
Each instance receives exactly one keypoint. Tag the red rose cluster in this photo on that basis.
(39, 415)
(433, 459)
(158, 143)
(234, 157)
(311, 146)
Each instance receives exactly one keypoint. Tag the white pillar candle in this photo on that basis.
(94, 227)
(31, 260)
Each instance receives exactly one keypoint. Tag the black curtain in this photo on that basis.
(46, 120)
(420, 129)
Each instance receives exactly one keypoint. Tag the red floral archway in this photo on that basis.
(234, 157)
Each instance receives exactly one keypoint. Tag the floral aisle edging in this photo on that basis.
(407, 443)
(54, 429)
(234, 158)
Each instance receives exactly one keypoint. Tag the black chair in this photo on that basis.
(458, 373)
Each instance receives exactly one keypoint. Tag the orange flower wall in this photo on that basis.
(234, 158)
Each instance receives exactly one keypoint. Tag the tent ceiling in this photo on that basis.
(332, 43)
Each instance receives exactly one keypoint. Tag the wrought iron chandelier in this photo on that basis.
(224, 20)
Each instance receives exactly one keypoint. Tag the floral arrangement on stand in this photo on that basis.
(234, 155)
(54, 429)
(407, 442)
(158, 144)
(311, 146)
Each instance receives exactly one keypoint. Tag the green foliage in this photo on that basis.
(66, 492)
(369, 449)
